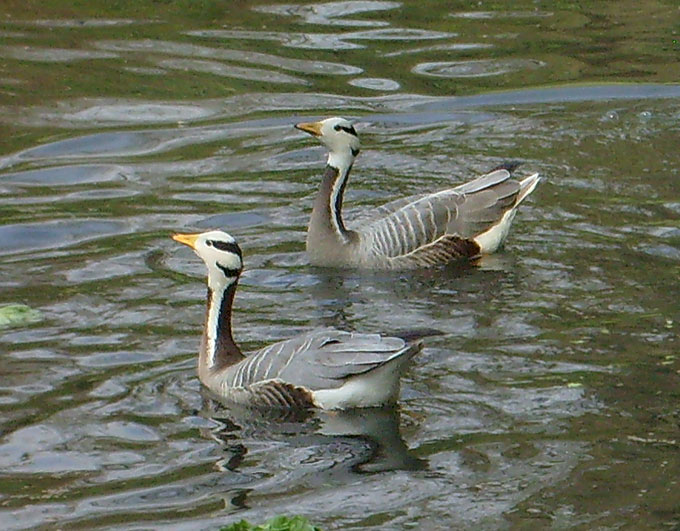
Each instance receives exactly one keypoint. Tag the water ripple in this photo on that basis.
(398, 34)
(487, 15)
(480, 68)
(52, 55)
(12, 34)
(82, 23)
(321, 41)
(227, 70)
(328, 14)
(456, 47)
(374, 83)
(110, 112)
(192, 50)
(67, 175)
(51, 234)
(325, 41)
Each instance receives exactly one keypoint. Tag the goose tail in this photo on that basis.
(494, 237)
(526, 186)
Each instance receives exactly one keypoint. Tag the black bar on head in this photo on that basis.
(228, 271)
(229, 247)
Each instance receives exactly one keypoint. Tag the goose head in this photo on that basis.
(337, 134)
(219, 251)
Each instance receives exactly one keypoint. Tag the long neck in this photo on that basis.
(218, 349)
(326, 223)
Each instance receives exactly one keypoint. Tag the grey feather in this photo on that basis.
(320, 359)
(421, 230)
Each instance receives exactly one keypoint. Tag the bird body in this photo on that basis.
(425, 230)
(324, 368)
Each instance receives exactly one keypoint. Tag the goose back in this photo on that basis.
(431, 229)
(291, 372)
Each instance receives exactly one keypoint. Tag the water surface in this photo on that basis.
(549, 402)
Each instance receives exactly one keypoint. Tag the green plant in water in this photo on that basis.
(18, 315)
(278, 523)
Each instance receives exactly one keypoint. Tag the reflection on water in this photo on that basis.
(325, 41)
(164, 48)
(371, 437)
(551, 398)
(332, 13)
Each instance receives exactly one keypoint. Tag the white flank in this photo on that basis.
(375, 388)
(493, 238)
(490, 240)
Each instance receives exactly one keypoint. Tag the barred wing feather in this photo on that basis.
(320, 359)
(440, 227)
(485, 181)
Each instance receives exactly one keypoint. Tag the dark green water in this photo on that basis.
(550, 403)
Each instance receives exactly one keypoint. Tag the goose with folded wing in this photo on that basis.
(324, 368)
(425, 230)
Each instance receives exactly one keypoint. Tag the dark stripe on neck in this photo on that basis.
(335, 174)
(355, 151)
(228, 271)
(226, 351)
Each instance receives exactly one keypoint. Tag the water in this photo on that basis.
(551, 400)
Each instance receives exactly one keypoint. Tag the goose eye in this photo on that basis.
(337, 127)
(209, 243)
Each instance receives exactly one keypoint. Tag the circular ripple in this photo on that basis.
(374, 83)
(481, 68)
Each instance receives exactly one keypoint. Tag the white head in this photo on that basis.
(337, 134)
(221, 255)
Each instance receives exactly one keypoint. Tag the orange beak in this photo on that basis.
(313, 128)
(186, 239)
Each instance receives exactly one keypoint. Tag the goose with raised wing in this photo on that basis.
(424, 230)
(325, 368)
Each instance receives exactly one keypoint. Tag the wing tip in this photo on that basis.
(527, 185)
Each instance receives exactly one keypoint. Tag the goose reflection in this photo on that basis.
(420, 300)
(314, 446)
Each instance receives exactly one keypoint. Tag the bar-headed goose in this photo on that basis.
(324, 368)
(424, 230)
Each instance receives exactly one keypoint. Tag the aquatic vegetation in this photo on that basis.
(17, 315)
(278, 523)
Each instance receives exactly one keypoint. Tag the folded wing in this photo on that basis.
(321, 359)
